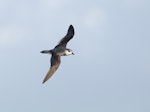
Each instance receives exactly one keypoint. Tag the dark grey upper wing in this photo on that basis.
(55, 62)
(69, 35)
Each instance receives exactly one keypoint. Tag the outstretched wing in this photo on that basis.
(55, 62)
(69, 35)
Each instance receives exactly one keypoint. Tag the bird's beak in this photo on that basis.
(73, 53)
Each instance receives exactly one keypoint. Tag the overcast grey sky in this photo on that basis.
(110, 71)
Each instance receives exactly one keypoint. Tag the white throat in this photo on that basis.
(68, 52)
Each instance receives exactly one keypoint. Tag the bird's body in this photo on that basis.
(58, 51)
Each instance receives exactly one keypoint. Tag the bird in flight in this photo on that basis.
(59, 50)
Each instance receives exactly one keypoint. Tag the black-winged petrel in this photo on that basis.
(59, 50)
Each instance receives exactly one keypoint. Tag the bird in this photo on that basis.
(58, 51)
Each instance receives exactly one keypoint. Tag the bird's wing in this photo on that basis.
(69, 35)
(55, 62)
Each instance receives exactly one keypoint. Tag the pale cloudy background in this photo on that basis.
(110, 71)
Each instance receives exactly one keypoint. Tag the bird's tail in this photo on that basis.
(46, 51)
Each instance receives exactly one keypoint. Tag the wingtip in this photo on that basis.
(45, 79)
(71, 29)
(71, 26)
(43, 82)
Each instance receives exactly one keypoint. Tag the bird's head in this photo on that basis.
(69, 52)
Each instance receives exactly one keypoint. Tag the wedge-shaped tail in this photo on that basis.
(46, 51)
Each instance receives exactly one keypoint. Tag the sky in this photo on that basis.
(110, 71)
